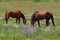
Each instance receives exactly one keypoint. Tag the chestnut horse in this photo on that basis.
(15, 14)
(40, 16)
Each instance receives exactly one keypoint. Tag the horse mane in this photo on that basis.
(22, 15)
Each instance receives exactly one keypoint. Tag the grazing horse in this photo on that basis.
(15, 14)
(40, 16)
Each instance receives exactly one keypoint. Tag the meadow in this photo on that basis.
(13, 31)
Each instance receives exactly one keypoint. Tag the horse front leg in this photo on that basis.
(32, 23)
(19, 20)
(38, 23)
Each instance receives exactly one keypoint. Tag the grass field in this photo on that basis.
(13, 31)
(29, 0)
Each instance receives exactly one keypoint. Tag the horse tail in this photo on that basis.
(6, 17)
(52, 19)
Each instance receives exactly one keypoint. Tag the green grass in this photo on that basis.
(29, 0)
(45, 0)
(28, 8)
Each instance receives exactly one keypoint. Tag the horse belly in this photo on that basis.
(14, 16)
(41, 17)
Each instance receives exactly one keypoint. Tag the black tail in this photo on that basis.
(6, 17)
(52, 20)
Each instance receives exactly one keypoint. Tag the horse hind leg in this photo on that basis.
(6, 21)
(18, 20)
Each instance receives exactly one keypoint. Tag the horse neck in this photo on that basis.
(23, 17)
(32, 18)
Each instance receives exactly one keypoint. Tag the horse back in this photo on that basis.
(13, 14)
(41, 15)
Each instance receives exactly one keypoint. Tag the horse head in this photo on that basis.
(24, 20)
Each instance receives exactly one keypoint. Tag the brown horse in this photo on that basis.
(40, 16)
(15, 14)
